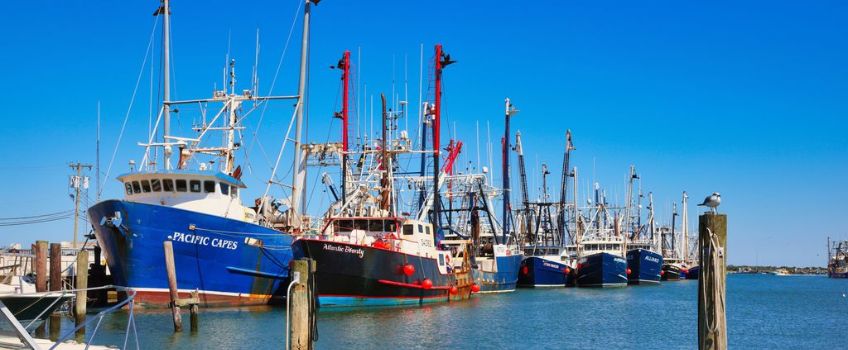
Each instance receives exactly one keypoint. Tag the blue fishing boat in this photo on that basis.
(693, 273)
(187, 190)
(497, 271)
(548, 262)
(601, 264)
(546, 270)
(643, 266)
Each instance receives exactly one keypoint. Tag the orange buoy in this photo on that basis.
(628, 271)
(525, 270)
(662, 273)
(454, 290)
(567, 270)
(408, 269)
(475, 288)
(427, 283)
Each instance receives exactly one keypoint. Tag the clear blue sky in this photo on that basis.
(746, 98)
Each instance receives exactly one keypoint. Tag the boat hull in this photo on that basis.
(645, 266)
(33, 307)
(671, 272)
(358, 276)
(833, 274)
(602, 270)
(693, 273)
(540, 272)
(229, 262)
(501, 279)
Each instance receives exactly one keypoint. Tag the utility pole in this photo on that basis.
(78, 182)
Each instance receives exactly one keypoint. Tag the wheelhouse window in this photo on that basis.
(168, 185)
(136, 187)
(209, 186)
(234, 192)
(343, 225)
(441, 260)
(194, 185)
(427, 227)
(182, 186)
(128, 187)
(145, 186)
(408, 230)
(225, 189)
(420, 228)
(156, 185)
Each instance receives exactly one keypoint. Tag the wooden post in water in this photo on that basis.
(172, 285)
(712, 242)
(195, 296)
(55, 285)
(40, 252)
(300, 306)
(40, 266)
(82, 294)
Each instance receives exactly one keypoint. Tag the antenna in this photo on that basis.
(97, 151)
(166, 30)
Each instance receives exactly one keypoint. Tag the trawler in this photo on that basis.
(368, 252)
(601, 249)
(188, 191)
(644, 264)
(837, 259)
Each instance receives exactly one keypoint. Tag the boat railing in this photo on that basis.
(23, 331)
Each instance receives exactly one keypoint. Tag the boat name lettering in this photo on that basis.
(652, 258)
(547, 264)
(620, 260)
(204, 240)
(355, 251)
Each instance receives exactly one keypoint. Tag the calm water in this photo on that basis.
(764, 312)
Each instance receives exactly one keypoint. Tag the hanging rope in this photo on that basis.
(714, 273)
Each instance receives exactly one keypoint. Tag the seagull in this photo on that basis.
(712, 201)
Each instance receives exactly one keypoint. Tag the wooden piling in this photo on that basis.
(300, 306)
(194, 309)
(172, 285)
(55, 267)
(82, 295)
(712, 242)
(40, 266)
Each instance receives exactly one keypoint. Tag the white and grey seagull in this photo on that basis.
(712, 201)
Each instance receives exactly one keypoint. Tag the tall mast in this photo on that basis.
(442, 60)
(509, 110)
(564, 185)
(522, 173)
(385, 162)
(166, 29)
(345, 65)
(299, 178)
(673, 217)
(685, 226)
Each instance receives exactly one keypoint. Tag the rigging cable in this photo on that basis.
(132, 101)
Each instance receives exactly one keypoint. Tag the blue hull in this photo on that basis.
(504, 280)
(229, 262)
(645, 266)
(602, 270)
(693, 273)
(539, 272)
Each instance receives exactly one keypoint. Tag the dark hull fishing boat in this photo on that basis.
(644, 266)
(602, 270)
(367, 254)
